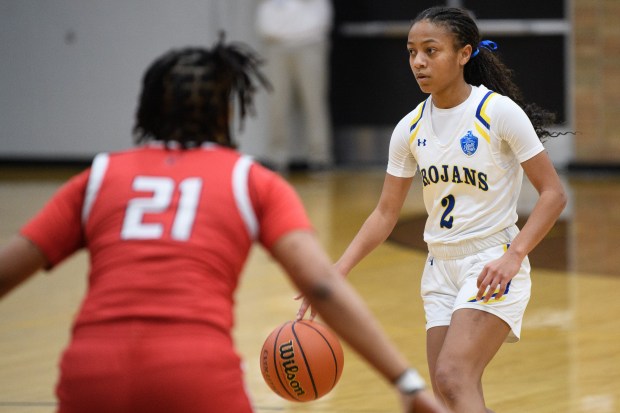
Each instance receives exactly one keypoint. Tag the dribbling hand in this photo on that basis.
(305, 304)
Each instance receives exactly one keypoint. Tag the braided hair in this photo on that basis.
(486, 68)
(187, 93)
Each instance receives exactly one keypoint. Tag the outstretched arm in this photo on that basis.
(19, 259)
(379, 225)
(375, 230)
(552, 200)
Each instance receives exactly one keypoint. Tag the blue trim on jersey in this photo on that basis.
(419, 117)
(478, 111)
(473, 300)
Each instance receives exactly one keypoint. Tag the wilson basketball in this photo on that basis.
(301, 360)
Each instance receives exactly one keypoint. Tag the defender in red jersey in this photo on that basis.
(168, 226)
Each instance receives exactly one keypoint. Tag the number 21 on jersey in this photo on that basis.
(163, 190)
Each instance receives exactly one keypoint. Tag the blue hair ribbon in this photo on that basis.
(487, 44)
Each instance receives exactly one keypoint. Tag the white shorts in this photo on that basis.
(450, 284)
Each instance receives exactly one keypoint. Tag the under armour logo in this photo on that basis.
(421, 142)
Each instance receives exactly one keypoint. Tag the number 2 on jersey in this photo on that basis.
(163, 190)
(446, 219)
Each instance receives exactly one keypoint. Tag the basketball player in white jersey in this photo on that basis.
(470, 141)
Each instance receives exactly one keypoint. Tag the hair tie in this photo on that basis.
(487, 44)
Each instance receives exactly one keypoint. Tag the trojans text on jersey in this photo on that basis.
(454, 173)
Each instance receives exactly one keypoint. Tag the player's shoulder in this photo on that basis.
(261, 175)
(412, 118)
(123, 153)
(417, 112)
(493, 103)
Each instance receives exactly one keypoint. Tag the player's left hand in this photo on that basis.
(496, 275)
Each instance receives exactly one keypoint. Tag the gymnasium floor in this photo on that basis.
(568, 359)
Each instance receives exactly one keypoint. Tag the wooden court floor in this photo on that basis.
(567, 361)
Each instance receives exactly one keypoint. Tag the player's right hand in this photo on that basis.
(305, 304)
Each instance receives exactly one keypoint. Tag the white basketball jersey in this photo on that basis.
(472, 178)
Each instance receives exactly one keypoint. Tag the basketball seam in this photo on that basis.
(275, 360)
(331, 350)
(303, 354)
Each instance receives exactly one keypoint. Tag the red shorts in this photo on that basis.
(151, 367)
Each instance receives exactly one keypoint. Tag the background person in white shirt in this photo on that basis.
(296, 35)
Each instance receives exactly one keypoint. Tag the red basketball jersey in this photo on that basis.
(168, 230)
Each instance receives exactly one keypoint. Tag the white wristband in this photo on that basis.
(410, 382)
